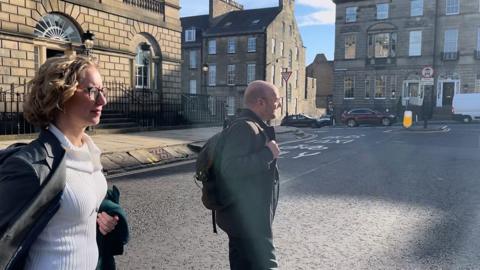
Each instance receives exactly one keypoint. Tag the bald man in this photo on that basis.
(247, 167)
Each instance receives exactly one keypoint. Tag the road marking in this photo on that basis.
(301, 140)
(310, 171)
(304, 147)
(306, 154)
(388, 131)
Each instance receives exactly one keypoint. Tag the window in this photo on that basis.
(452, 7)
(231, 45)
(380, 86)
(212, 74)
(251, 73)
(193, 87)
(230, 105)
(142, 70)
(451, 38)
(273, 74)
(350, 46)
(290, 28)
(193, 59)
(416, 8)
(382, 11)
(290, 59)
(212, 46)
(252, 44)
(351, 14)
(231, 74)
(296, 79)
(393, 88)
(296, 53)
(283, 27)
(367, 88)
(382, 45)
(282, 53)
(415, 46)
(273, 46)
(190, 35)
(348, 83)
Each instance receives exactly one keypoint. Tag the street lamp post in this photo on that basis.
(88, 42)
(145, 47)
(204, 76)
(205, 84)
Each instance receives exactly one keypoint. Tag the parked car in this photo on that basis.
(466, 107)
(359, 116)
(301, 120)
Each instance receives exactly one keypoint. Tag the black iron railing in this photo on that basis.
(148, 108)
(151, 5)
(151, 108)
(12, 121)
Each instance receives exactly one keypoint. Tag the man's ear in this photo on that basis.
(260, 101)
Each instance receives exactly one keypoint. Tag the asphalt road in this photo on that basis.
(351, 198)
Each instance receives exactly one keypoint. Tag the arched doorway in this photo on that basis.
(55, 34)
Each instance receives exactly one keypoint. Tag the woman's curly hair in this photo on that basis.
(55, 82)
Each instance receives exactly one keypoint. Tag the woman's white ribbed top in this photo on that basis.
(69, 239)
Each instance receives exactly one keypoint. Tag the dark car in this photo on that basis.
(356, 117)
(301, 120)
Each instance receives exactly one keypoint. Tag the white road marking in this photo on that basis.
(310, 171)
(306, 154)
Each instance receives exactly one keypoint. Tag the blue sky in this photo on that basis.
(316, 19)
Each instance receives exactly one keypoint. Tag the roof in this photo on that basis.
(244, 21)
(200, 22)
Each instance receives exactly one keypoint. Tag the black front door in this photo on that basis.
(53, 53)
(448, 92)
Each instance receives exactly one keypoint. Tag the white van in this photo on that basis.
(466, 107)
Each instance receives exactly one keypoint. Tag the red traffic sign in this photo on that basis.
(427, 72)
(286, 75)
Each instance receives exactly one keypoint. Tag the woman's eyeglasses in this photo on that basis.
(94, 92)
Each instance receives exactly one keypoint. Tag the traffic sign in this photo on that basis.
(286, 75)
(427, 72)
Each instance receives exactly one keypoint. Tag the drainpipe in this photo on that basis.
(435, 34)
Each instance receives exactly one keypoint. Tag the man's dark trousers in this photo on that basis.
(252, 253)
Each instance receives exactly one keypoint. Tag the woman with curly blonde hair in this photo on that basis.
(55, 185)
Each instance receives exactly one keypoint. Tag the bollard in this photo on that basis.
(407, 119)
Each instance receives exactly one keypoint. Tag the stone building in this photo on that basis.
(230, 47)
(33, 30)
(322, 70)
(382, 46)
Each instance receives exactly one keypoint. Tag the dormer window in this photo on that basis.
(190, 35)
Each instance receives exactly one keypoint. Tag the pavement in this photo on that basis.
(131, 151)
